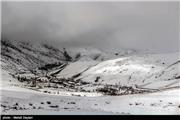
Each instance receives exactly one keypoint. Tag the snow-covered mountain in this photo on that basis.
(17, 55)
(45, 69)
(20, 56)
(140, 70)
(91, 65)
(151, 71)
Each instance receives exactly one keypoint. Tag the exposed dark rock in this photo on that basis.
(54, 106)
(30, 104)
(48, 102)
(97, 79)
(71, 103)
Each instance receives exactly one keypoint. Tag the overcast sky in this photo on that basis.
(137, 25)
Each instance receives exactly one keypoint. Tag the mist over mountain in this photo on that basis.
(104, 25)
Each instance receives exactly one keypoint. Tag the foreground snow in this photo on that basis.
(33, 102)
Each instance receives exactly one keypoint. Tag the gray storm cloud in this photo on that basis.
(137, 25)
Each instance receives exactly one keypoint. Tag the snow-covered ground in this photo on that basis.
(32, 102)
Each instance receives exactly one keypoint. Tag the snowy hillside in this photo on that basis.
(17, 56)
(151, 71)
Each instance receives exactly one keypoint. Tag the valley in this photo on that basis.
(42, 79)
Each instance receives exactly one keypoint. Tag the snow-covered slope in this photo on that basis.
(76, 68)
(17, 55)
(143, 70)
